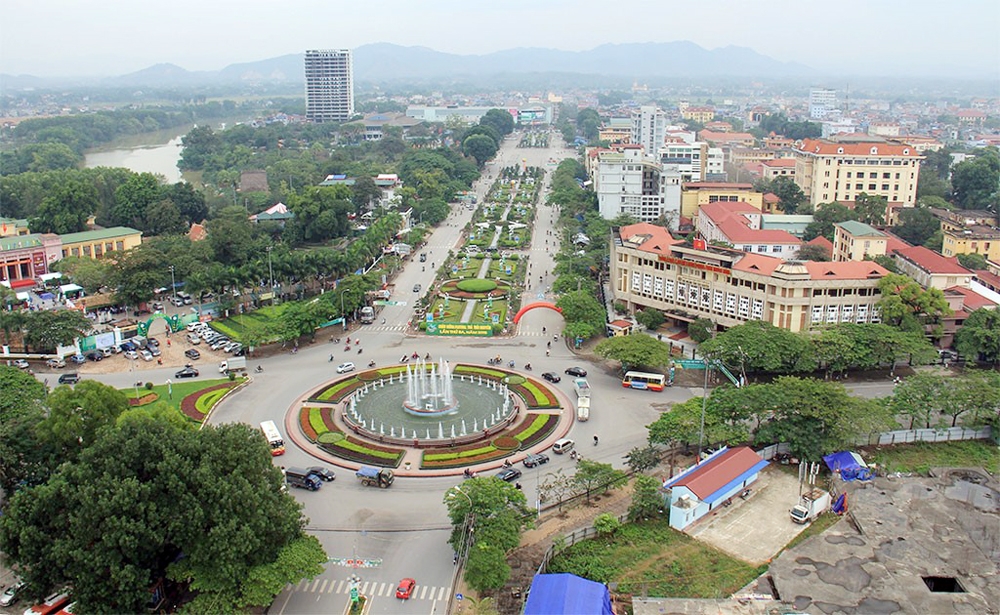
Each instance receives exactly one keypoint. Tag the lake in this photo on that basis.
(158, 158)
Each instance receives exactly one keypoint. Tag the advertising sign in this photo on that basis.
(460, 328)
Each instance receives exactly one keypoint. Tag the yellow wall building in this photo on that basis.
(97, 244)
(696, 194)
(832, 171)
(969, 232)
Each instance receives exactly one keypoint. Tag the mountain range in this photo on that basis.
(385, 62)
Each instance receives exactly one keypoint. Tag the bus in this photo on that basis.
(642, 380)
(273, 438)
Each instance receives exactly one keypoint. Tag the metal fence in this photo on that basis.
(943, 434)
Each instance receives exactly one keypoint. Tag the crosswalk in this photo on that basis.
(385, 328)
(367, 588)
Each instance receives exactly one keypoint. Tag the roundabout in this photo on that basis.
(429, 419)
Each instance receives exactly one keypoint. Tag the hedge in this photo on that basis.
(476, 285)
(352, 449)
(337, 391)
(538, 430)
(316, 422)
(485, 371)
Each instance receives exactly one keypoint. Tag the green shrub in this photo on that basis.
(149, 386)
(330, 437)
(476, 285)
(316, 421)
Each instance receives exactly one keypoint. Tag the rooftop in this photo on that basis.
(99, 234)
(713, 474)
(859, 229)
(648, 237)
(930, 261)
(824, 147)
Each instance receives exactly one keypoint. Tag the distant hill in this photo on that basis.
(381, 62)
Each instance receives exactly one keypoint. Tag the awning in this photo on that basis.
(45, 277)
(69, 288)
(23, 297)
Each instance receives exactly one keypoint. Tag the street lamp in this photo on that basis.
(173, 283)
(343, 313)
(270, 272)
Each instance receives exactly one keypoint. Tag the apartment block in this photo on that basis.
(651, 269)
(822, 103)
(696, 194)
(649, 125)
(969, 232)
(628, 182)
(853, 241)
(329, 85)
(740, 225)
(838, 171)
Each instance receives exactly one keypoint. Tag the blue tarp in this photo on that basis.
(849, 465)
(567, 594)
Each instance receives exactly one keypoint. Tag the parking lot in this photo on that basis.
(756, 529)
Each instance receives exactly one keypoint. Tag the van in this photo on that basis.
(564, 445)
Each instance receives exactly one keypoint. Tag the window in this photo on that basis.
(848, 175)
(872, 186)
(885, 175)
(859, 186)
(861, 175)
(885, 186)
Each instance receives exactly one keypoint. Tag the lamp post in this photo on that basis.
(173, 283)
(343, 313)
(270, 272)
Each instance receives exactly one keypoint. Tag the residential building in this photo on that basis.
(702, 115)
(853, 241)
(690, 159)
(617, 131)
(696, 194)
(739, 225)
(727, 139)
(969, 232)
(779, 167)
(741, 156)
(649, 124)
(838, 171)
(971, 116)
(845, 126)
(329, 85)
(23, 258)
(792, 224)
(883, 129)
(651, 269)
(778, 142)
(962, 301)
(930, 269)
(715, 170)
(822, 103)
(627, 181)
(13, 226)
(472, 115)
(99, 243)
(921, 144)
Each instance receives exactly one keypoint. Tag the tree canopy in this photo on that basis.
(635, 351)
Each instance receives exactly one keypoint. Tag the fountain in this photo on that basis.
(429, 392)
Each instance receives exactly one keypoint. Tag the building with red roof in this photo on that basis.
(930, 269)
(831, 171)
(698, 490)
(652, 270)
(739, 225)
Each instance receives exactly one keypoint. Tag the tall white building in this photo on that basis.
(628, 182)
(649, 127)
(329, 85)
(822, 103)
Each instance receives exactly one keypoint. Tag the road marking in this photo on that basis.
(315, 583)
(381, 589)
(322, 588)
(364, 588)
(302, 585)
(444, 592)
(333, 584)
(423, 591)
(340, 587)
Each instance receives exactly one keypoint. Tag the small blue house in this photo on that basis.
(695, 492)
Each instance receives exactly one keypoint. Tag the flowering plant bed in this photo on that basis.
(148, 398)
(457, 462)
(305, 424)
(334, 393)
(535, 395)
(196, 405)
(352, 449)
(535, 428)
(507, 443)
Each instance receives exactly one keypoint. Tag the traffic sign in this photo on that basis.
(459, 597)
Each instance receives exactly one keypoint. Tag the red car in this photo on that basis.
(405, 589)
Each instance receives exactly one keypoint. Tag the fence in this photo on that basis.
(943, 434)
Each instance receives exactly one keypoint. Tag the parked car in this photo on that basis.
(194, 327)
(71, 378)
(323, 473)
(191, 353)
(343, 368)
(55, 363)
(154, 350)
(95, 355)
(219, 343)
(193, 339)
(152, 341)
(131, 354)
(237, 349)
(229, 346)
(405, 589)
(187, 372)
(126, 346)
(416, 288)
(11, 594)
(535, 460)
(509, 474)
(551, 376)
(146, 355)
(157, 306)
(578, 372)
(21, 364)
(177, 301)
(79, 359)
(423, 257)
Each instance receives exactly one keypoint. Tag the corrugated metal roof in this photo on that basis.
(711, 476)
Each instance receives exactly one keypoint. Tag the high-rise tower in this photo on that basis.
(329, 85)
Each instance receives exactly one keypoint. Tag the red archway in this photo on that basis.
(537, 304)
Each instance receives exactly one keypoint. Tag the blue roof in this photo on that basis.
(728, 487)
(567, 594)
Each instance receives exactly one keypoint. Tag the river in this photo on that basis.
(160, 158)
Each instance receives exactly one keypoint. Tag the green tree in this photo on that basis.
(647, 501)
(633, 351)
(22, 403)
(825, 216)
(163, 218)
(500, 120)
(480, 147)
(650, 318)
(975, 182)
(132, 198)
(640, 459)
(231, 236)
(788, 192)
(591, 475)
(979, 337)
(917, 398)
(870, 209)
(77, 414)
(66, 209)
(701, 330)
(89, 273)
(584, 314)
(813, 252)
(606, 524)
(916, 225)
(47, 329)
(972, 261)
(905, 304)
(759, 346)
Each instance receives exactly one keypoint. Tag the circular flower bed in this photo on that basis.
(514, 379)
(451, 288)
(476, 285)
(507, 443)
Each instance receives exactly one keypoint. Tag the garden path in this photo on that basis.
(470, 309)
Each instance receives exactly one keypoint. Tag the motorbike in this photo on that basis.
(414, 356)
(404, 359)
(427, 357)
(259, 369)
(347, 348)
(359, 350)
(527, 367)
(371, 364)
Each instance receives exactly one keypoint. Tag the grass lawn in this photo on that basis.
(233, 326)
(919, 457)
(181, 389)
(651, 557)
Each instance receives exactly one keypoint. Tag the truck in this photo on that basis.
(233, 365)
(583, 409)
(375, 477)
(582, 388)
(811, 505)
(367, 315)
(303, 479)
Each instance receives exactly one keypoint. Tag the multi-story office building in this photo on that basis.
(822, 103)
(853, 241)
(969, 232)
(691, 158)
(329, 85)
(651, 269)
(649, 125)
(838, 171)
(628, 182)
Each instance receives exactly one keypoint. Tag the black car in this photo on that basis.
(509, 474)
(95, 355)
(72, 378)
(579, 372)
(323, 473)
(153, 342)
(551, 376)
(126, 346)
(187, 372)
(535, 460)
(191, 353)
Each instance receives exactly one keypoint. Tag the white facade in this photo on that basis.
(627, 182)
(690, 159)
(649, 125)
(329, 85)
(715, 170)
(822, 103)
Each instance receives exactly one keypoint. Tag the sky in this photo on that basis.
(59, 38)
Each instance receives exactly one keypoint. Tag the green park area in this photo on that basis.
(263, 319)
(192, 398)
(920, 457)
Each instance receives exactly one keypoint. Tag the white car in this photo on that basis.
(56, 363)
(131, 354)
(343, 368)
(21, 364)
(146, 355)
